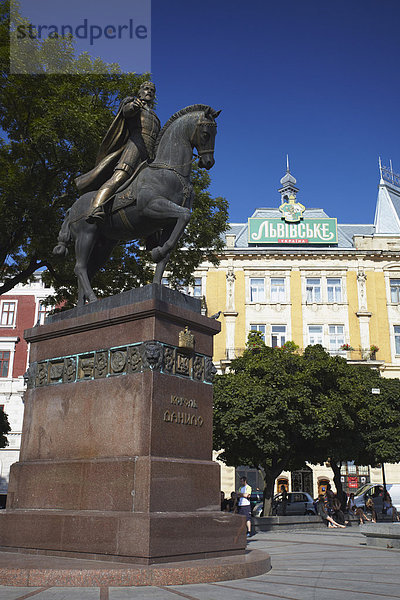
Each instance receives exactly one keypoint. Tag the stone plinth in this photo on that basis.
(382, 535)
(115, 459)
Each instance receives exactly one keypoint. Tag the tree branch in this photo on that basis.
(8, 285)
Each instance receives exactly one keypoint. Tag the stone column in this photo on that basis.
(230, 314)
(363, 314)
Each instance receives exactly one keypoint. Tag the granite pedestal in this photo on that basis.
(115, 460)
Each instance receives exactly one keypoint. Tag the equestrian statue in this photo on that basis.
(140, 186)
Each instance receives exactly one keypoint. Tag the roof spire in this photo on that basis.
(380, 169)
(288, 183)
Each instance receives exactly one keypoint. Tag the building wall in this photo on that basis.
(27, 299)
(365, 311)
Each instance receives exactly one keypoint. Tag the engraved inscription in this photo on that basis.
(182, 418)
(178, 401)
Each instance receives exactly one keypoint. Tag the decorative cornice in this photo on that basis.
(123, 360)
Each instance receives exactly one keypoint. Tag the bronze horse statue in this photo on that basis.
(161, 206)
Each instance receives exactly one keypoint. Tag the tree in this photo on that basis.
(263, 412)
(4, 429)
(352, 423)
(52, 127)
(279, 408)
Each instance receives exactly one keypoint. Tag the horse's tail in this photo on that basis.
(64, 237)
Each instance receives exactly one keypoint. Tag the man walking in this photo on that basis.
(244, 506)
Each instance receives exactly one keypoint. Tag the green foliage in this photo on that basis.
(255, 340)
(278, 408)
(262, 410)
(51, 129)
(4, 429)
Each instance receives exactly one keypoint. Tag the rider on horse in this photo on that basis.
(128, 143)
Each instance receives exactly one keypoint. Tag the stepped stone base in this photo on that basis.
(115, 460)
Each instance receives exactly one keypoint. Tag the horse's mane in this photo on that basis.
(179, 113)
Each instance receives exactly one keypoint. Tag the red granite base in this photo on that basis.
(17, 569)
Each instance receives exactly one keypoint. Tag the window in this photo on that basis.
(336, 337)
(397, 338)
(278, 335)
(4, 362)
(43, 311)
(314, 334)
(395, 291)
(260, 328)
(257, 290)
(197, 288)
(8, 312)
(334, 289)
(278, 293)
(313, 289)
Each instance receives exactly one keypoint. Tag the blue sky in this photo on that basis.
(315, 79)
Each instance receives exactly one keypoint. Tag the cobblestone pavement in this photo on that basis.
(323, 565)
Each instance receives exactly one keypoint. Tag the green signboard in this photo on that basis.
(306, 231)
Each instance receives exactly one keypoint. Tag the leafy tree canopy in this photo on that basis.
(4, 429)
(278, 408)
(51, 129)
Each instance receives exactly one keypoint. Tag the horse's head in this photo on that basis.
(203, 137)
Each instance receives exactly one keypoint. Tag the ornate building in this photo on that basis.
(20, 309)
(293, 273)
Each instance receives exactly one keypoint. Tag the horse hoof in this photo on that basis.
(156, 254)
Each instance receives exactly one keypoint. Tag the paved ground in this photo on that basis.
(323, 565)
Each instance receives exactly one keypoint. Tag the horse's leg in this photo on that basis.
(160, 268)
(85, 239)
(162, 209)
(100, 254)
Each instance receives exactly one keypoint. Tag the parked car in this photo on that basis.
(375, 491)
(298, 503)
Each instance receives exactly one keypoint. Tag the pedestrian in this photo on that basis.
(388, 508)
(233, 502)
(224, 503)
(351, 504)
(370, 508)
(284, 496)
(324, 511)
(243, 495)
(338, 514)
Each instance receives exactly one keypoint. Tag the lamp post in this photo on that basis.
(378, 391)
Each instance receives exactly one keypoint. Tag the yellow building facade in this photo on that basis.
(294, 273)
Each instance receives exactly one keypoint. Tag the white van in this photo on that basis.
(375, 491)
